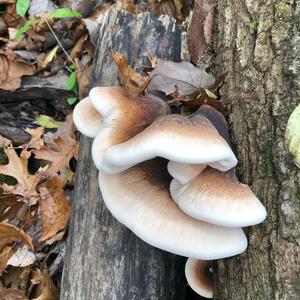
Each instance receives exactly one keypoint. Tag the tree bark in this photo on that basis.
(104, 259)
(257, 44)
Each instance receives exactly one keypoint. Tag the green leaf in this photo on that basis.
(210, 94)
(71, 82)
(72, 66)
(22, 7)
(65, 13)
(25, 27)
(292, 135)
(72, 100)
(46, 122)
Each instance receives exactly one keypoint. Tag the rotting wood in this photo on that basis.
(104, 259)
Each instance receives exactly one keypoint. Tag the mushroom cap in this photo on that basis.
(86, 118)
(174, 137)
(123, 115)
(139, 199)
(199, 277)
(184, 173)
(218, 198)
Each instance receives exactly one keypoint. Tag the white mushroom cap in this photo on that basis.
(218, 198)
(174, 137)
(123, 116)
(86, 118)
(184, 173)
(140, 200)
(198, 276)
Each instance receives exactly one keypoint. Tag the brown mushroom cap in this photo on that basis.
(199, 277)
(218, 198)
(123, 116)
(174, 137)
(139, 199)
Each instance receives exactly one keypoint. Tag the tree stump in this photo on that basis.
(104, 259)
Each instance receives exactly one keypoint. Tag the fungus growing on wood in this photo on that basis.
(218, 198)
(199, 276)
(138, 148)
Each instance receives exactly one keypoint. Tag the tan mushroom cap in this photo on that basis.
(218, 198)
(139, 199)
(86, 118)
(174, 137)
(123, 116)
(198, 276)
(184, 173)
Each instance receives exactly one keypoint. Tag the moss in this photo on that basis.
(254, 24)
(243, 40)
(268, 162)
(282, 12)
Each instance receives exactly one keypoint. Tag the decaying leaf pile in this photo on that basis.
(34, 209)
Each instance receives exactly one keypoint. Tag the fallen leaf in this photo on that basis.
(83, 78)
(12, 294)
(36, 140)
(78, 48)
(46, 121)
(49, 57)
(22, 258)
(181, 78)
(59, 155)
(9, 207)
(55, 208)
(11, 72)
(292, 135)
(46, 286)
(133, 81)
(17, 167)
(4, 142)
(10, 234)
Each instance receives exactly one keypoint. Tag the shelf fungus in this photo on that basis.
(169, 178)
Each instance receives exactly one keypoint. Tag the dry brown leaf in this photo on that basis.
(12, 19)
(55, 208)
(78, 48)
(12, 294)
(133, 81)
(181, 78)
(5, 254)
(9, 207)
(4, 142)
(83, 78)
(59, 157)
(36, 140)
(47, 288)
(17, 167)
(10, 234)
(12, 71)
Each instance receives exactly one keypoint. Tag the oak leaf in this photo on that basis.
(17, 167)
(36, 140)
(55, 208)
(181, 78)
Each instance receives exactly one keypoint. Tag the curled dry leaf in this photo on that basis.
(9, 235)
(12, 294)
(17, 167)
(133, 81)
(181, 78)
(9, 208)
(46, 287)
(55, 208)
(292, 135)
(22, 258)
(83, 78)
(12, 71)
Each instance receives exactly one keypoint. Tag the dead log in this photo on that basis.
(104, 259)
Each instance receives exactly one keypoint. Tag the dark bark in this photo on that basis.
(104, 259)
(258, 46)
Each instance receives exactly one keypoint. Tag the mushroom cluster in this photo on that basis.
(177, 170)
